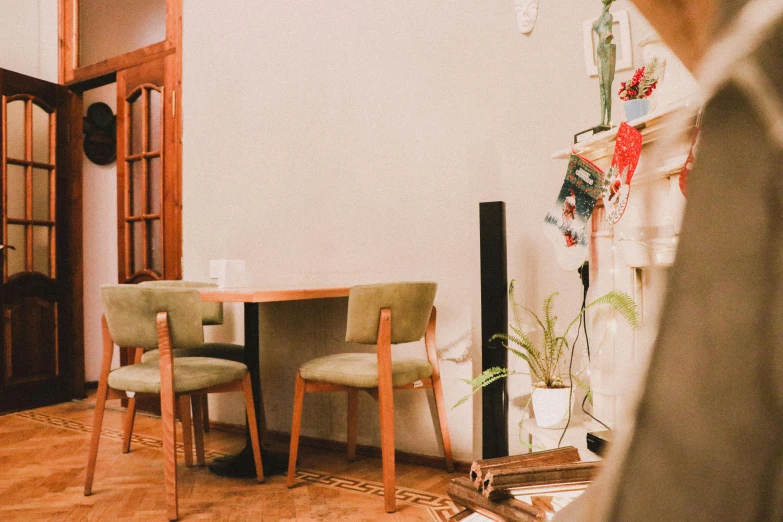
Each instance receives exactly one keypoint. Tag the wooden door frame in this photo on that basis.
(101, 73)
(80, 79)
(73, 133)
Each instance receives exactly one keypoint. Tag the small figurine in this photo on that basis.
(607, 61)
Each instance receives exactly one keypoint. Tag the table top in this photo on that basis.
(267, 295)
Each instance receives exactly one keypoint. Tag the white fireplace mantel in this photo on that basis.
(634, 254)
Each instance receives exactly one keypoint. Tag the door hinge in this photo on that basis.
(174, 104)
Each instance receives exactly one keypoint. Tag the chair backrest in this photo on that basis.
(410, 305)
(131, 315)
(211, 313)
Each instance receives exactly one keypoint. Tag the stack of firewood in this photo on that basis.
(495, 485)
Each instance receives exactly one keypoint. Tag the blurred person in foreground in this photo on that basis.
(706, 438)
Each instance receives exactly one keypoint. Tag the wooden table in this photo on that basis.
(252, 298)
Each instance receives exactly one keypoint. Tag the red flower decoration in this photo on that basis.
(642, 84)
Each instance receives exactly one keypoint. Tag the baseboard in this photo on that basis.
(226, 426)
(334, 445)
(367, 451)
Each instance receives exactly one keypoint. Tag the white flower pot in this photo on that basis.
(635, 109)
(551, 406)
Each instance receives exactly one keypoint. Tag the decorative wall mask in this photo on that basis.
(100, 134)
(527, 12)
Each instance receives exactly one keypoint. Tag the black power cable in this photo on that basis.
(584, 275)
(587, 340)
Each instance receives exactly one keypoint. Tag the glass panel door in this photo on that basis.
(142, 159)
(40, 124)
(147, 176)
(29, 186)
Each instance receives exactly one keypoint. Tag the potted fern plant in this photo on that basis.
(552, 396)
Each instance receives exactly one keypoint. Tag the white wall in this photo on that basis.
(99, 190)
(332, 143)
(28, 37)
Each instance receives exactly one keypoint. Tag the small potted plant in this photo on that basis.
(552, 395)
(636, 91)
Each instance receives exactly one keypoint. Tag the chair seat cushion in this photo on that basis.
(361, 370)
(190, 374)
(227, 351)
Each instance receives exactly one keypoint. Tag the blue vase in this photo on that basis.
(635, 109)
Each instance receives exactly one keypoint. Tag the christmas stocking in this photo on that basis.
(617, 183)
(688, 167)
(566, 222)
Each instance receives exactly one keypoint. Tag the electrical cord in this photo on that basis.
(584, 275)
(587, 340)
(570, 376)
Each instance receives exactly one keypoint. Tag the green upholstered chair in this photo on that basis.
(211, 314)
(169, 320)
(382, 315)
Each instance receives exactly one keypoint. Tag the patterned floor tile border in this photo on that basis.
(439, 507)
(140, 440)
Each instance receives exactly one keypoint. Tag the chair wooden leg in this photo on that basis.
(127, 426)
(167, 402)
(95, 438)
(100, 405)
(247, 387)
(169, 454)
(386, 403)
(183, 404)
(198, 428)
(437, 388)
(130, 414)
(440, 404)
(296, 424)
(353, 422)
(205, 411)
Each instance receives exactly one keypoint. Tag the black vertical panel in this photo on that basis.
(252, 360)
(494, 319)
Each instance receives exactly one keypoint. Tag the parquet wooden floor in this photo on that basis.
(43, 454)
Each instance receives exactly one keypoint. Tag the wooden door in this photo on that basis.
(41, 241)
(148, 180)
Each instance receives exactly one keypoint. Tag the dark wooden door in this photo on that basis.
(42, 354)
(148, 180)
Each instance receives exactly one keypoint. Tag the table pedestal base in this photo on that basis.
(242, 465)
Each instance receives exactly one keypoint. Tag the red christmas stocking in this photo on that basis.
(688, 167)
(566, 222)
(617, 183)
